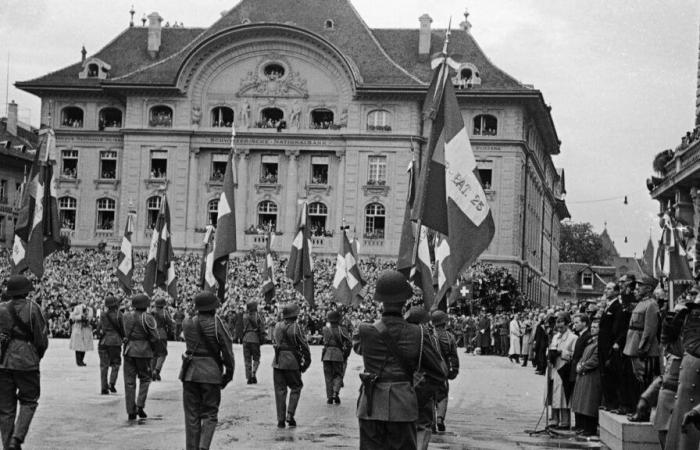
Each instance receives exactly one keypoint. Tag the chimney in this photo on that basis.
(154, 30)
(12, 118)
(424, 37)
(466, 25)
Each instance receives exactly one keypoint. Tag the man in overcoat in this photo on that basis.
(164, 325)
(612, 331)
(81, 332)
(110, 328)
(253, 337)
(23, 342)
(642, 345)
(335, 341)
(207, 369)
(396, 354)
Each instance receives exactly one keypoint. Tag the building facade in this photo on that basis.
(324, 108)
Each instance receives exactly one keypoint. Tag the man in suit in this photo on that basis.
(24, 340)
(395, 354)
(611, 329)
(141, 335)
(208, 371)
(253, 336)
(110, 328)
(335, 341)
(292, 358)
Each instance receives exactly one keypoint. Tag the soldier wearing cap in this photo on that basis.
(292, 358)
(23, 342)
(141, 335)
(253, 336)
(642, 345)
(336, 342)
(396, 356)
(207, 368)
(110, 328)
(448, 350)
(164, 325)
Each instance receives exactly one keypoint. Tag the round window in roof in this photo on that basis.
(329, 24)
(273, 71)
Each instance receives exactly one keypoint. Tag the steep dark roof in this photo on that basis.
(23, 137)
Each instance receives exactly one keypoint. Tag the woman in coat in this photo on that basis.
(515, 337)
(81, 333)
(526, 329)
(560, 352)
(588, 391)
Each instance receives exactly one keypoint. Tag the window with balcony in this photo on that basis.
(269, 169)
(67, 207)
(108, 165)
(379, 120)
(319, 169)
(486, 178)
(152, 210)
(218, 166)
(377, 170)
(213, 211)
(161, 116)
(485, 125)
(267, 216)
(69, 164)
(321, 118)
(271, 118)
(222, 116)
(106, 211)
(72, 117)
(3, 192)
(159, 164)
(375, 221)
(318, 216)
(110, 118)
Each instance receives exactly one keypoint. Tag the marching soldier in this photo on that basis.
(448, 350)
(110, 328)
(336, 346)
(292, 358)
(164, 324)
(207, 368)
(398, 356)
(23, 342)
(253, 336)
(141, 336)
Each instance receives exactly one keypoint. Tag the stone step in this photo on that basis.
(618, 433)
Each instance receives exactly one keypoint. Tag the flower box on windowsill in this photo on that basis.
(375, 189)
(269, 187)
(378, 127)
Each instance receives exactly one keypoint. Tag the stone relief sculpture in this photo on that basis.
(196, 115)
(245, 115)
(295, 116)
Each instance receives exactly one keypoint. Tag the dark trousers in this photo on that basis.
(333, 373)
(80, 358)
(629, 388)
(110, 357)
(426, 419)
(251, 358)
(201, 402)
(17, 386)
(282, 380)
(609, 379)
(134, 367)
(379, 435)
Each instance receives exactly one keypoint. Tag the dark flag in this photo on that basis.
(268, 285)
(449, 197)
(160, 265)
(299, 267)
(125, 263)
(348, 281)
(37, 233)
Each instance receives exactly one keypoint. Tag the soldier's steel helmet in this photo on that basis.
(205, 301)
(18, 285)
(160, 302)
(140, 302)
(438, 317)
(417, 315)
(334, 317)
(251, 306)
(290, 311)
(111, 301)
(392, 288)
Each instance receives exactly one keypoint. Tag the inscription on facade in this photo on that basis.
(117, 139)
(484, 148)
(268, 141)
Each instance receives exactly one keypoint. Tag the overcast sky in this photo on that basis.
(620, 75)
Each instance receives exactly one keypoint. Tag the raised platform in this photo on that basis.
(618, 433)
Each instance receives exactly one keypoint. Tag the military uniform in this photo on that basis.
(335, 340)
(178, 317)
(141, 335)
(642, 345)
(292, 357)
(209, 370)
(253, 336)
(24, 338)
(388, 406)
(448, 350)
(164, 325)
(110, 328)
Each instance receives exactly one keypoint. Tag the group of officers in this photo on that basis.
(403, 396)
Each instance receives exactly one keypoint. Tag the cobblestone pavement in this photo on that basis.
(491, 404)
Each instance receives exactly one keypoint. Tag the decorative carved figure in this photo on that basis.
(196, 115)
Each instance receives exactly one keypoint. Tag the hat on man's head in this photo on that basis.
(140, 302)
(111, 301)
(290, 311)
(205, 301)
(438, 317)
(251, 306)
(160, 303)
(392, 288)
(18, 285)
(417, 315)
(648, 281)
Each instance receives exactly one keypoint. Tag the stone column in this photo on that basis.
(291, 189)
(242, 157)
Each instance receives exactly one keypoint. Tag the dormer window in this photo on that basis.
(161, 116)
(329, 24)
(321, 118)
(587, 280)
(94, 68)
(110, 118)
(221, 116)
(72, 117)
(467, 76)
(379, 120)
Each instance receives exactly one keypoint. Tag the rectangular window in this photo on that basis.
(69, 162)
(108, 165)
(485, 175)
(319, 169)
(3, 191)
(269, 169)
(377, 170)
(218, 166)
(159, 164)
(587, 280)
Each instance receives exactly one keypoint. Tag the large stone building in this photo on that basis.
(325, 108)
